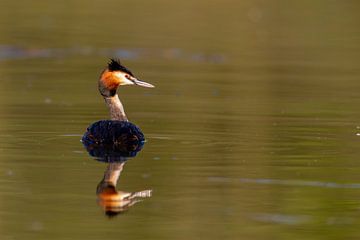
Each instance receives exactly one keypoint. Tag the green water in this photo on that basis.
(251, 129)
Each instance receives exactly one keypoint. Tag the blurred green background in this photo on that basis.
(251, 129)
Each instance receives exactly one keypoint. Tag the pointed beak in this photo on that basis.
(142, 84)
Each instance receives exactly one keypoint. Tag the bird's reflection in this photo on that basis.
(114, 201)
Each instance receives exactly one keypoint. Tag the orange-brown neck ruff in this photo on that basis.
(109, 80)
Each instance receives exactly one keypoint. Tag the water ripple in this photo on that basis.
(8, 52)
(301, 183)
(281, 218)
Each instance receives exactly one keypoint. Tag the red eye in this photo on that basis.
(127, 76)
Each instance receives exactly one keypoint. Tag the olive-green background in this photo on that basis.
(251, 129)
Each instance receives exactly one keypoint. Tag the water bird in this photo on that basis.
(117, 132)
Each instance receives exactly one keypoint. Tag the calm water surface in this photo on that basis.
(252, 129)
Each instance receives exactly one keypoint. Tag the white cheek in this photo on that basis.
(126, 81)
(123, 79)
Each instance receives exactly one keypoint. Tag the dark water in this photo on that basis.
(252, 129)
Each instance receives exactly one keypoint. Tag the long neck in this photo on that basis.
(116, 108)
(113, 172)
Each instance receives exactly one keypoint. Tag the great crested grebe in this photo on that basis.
(118, 130)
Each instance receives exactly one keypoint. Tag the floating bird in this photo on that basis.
(117, 132)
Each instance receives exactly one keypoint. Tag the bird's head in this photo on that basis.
(116, 75)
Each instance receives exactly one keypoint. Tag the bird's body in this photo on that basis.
(117, 132)
(113, 132)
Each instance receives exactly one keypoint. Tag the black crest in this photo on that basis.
(115, 65)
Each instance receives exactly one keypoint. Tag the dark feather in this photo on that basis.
(111, 140)
(115, 65)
